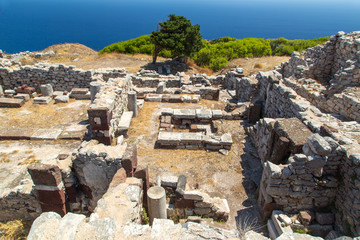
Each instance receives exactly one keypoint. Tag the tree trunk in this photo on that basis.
(156, 51)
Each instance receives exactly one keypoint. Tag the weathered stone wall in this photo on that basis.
(231, 78)
(336, 63)
(95, 165)
(61, 77)
(153, 82)
(19, 203)
(106, 110)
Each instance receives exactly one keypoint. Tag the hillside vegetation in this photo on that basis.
(216, 53)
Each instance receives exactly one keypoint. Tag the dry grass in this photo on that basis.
(13, 230)
(29, 160)
(42, 116)
(253, 65)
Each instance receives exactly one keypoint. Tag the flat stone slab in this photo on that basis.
(184, 113)
(75, 132)
(179, 137)
(12, 102)
(42, 100)
(153, 97)
(125, 121)
(203, 113)
(167, 111)
(226, 139)
(24, 96)
(46, 134)
(16, 134)
(294, 130)
(58, 93)
(80, 91)
(86, 96)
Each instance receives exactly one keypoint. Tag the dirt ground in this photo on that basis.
(233, 177)
(45, 116)
(81, 56)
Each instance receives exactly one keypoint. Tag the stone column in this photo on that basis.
(156, 199)
(132, 103)
(94, 89)
(46, 90)
(49, 185)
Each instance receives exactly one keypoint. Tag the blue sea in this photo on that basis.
(36, 24)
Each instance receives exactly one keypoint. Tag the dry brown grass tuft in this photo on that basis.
(16, 229)
(29, 160)
(258, 65)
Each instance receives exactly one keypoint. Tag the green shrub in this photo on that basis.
(216, 53)
(218, 63)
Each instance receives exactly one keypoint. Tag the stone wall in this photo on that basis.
(95, 165)
(61, 77)
(19, 203)
(108, 107)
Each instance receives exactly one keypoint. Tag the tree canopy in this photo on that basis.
(178, 35)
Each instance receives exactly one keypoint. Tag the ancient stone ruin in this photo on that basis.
(301, 119)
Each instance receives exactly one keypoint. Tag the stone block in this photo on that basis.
(195, 98)
(143, 173)
(58, 208)
(153, 97)
(294, 130)
(125, 121)
(203, 113)
(86, 96)
(42, 100)
(306, 217)
(57, 93)
(46, 90)
(51, 197)
(129, 160)
(99, 118)
(118, 178)
(16, 133)
(62, 99)
(167, 111)
(180, 187)
(217, 114)
(169, 181)
(318, 145)
(46, 134)
(226, 139)
(12, 102)
(184, 113)
(24, 96)
(44, 174)
(175, 98)
(79, 91)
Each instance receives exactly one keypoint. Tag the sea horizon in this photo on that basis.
(37, 24)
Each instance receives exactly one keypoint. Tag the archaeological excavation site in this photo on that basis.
(160, 154)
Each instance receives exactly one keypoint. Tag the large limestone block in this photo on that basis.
(68, 226)
(44, 227)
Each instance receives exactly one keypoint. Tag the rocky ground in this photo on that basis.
(233, 177)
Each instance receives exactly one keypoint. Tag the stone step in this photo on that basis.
(273, 234)
(11, 102)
